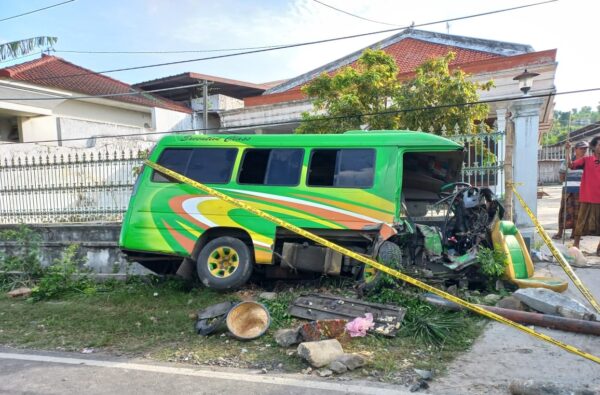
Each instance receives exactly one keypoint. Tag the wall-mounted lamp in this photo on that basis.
(525, 81)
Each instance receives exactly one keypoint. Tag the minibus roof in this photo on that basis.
(354, 138)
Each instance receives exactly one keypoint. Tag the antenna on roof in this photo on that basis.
(447, 27)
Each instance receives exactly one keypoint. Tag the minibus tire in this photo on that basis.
(390, 255)
(216, 259)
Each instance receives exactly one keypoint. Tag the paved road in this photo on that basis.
(66, 373)
(504, 354)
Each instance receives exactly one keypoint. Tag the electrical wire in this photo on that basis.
(37, 10)
(136, 93)
(354, 15)
(165, 52)
(288, 46)
(325, 118)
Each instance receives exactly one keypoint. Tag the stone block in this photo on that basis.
(320, 353)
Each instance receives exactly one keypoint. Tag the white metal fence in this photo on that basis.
(92, 187)
(95, 187)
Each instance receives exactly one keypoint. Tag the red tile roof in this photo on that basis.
(55, 72)
(410, 53)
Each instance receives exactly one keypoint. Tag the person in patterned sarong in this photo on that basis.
(570, 193)
(588, 218)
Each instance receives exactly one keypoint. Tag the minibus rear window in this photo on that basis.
(206, 165)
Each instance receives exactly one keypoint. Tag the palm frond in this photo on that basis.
(17, 48)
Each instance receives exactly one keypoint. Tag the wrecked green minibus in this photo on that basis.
(371, 192)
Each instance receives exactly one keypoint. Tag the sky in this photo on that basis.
(198, 25)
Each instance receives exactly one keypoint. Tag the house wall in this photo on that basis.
(39, 128)
(168, 121)
(101, 113)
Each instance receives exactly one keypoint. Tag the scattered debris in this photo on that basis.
(424, 374)
(532, 387)
(248, 320)
(268, 295)
(324, 372)
(578, 258)
(20, 292)
(510, 302)
(287, 337)
(323, 329)
(550, 302)
(338, 367)
(491, 299)
(351, 361)
(320, 353)
(212, 318)
(421, 384)
(87, 351)
(359, 326)
(387, 318)
(308, 370)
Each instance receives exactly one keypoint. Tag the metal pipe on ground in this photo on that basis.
(524, 317)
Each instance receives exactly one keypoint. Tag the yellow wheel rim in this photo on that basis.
(223, 262)
(369, 274)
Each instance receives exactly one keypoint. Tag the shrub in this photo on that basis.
(64, 277)
(21, 265)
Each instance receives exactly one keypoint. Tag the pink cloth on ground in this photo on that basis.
(359, 326)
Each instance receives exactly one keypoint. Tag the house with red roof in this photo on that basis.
(280, 106)
(57, 102)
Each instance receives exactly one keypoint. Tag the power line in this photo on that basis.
(325, 118)
(141, 92)
(37, 10)
(354, 15)
(290, 45)
(166, 52)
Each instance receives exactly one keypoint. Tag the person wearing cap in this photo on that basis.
(588, 218)
(570, 192)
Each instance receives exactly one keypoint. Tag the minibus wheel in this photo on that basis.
(390, 255)
(224, 263)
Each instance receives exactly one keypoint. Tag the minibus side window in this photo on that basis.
(343, 168)
(211, 165)
(271, 167)
(172, 159)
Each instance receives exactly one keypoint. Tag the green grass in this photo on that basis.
(153, 320)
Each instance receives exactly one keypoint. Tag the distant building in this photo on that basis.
(67, 117)
(281, 105)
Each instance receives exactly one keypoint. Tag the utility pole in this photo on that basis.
(205, 105)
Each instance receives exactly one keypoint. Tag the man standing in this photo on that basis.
(588, 219)
(570, 193)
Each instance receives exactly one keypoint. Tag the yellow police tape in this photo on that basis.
(370, 262)
(559, 257)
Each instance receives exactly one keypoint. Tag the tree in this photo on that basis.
(369, 96)
(567, 121)
(349, 96)
(436, 86)
(17, 48)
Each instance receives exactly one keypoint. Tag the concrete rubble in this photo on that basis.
(287, 337)
(550, 302)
